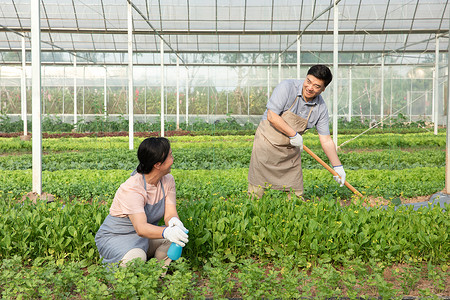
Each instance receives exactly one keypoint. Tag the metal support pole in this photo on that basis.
(105, 95)
(350, 92)
(207, 102)
(433, 96)
(178, 92)
(248, 101)
(130, 79)
(64, 95)
(382, 91)
(369, 92)
(44, 89)
(411, 95)
(1, 91)
(23, 88)
(298, 57)
(227, 101)
(391, 109)
(36, 96)
(162, 85)
(447, 166)
(268, 84)
(187, 97)
(145, 104)
(436, 87)
(84, 88)
(75, 120)
(279, 68)
(408, 102)
(335, 71)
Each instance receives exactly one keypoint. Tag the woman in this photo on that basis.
(131, 229)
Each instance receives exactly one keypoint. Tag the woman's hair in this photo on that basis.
(152, 151)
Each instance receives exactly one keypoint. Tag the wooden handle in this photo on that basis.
(331, 170)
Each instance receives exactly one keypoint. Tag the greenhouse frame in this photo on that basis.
(199, 149)
(211, 60)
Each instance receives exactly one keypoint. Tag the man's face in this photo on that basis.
(312, 87)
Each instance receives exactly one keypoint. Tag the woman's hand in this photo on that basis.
(176, 235)
(174, 221)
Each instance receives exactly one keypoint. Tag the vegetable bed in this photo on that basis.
(328, 245)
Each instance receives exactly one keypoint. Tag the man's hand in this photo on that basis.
(341, 173)
(297, 141)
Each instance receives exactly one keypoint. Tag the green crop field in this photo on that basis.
(331, 244)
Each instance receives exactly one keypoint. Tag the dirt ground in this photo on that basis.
(375, 201)
(372, 201)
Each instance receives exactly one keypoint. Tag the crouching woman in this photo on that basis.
(131, 229)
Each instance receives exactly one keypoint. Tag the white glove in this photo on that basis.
(174, 221)
(176, 235)
(340, 170)
(297, 141)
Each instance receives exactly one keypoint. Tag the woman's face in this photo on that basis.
(167, 164)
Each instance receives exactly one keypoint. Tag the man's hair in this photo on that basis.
(321, 72)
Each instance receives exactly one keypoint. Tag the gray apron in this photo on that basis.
(274, 160)
(116, 236)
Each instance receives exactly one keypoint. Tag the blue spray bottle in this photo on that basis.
(175, 250)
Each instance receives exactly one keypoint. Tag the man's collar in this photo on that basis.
(309, 103)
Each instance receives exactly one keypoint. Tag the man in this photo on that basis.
(294, 107)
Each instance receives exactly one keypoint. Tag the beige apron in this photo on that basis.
(274, 161)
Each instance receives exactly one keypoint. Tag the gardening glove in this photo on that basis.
(340, 170)
(176, 235)
(297, 141)
(174, 221)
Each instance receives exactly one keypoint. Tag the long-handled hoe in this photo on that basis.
(331, 170)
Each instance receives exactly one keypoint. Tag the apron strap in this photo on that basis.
(145, 182)
(164, 193)
(162, 186)
(295, 101)
(310, 111)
